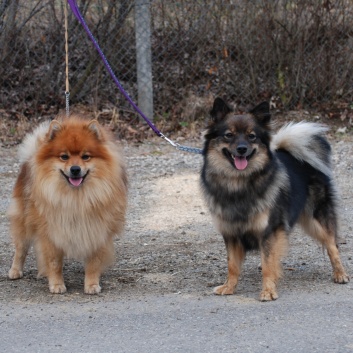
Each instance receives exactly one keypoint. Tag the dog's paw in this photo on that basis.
(14, 273)
(341, 278)
(224, 290)
(93, 289)
(268, 295)
(57, 288)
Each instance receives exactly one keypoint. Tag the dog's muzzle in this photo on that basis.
(76, 177)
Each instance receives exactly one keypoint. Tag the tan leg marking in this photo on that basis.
(327, 238)
(236, 255)
(271, 254)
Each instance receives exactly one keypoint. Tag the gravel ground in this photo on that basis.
(170, 248)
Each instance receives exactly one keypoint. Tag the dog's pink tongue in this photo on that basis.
(75, 182)
(240, 163)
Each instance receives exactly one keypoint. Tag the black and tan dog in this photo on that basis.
(258, 186)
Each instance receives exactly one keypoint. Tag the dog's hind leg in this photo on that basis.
(21, 250)
(272, 250)
(235, 256)
(325, 232)
(22, 244)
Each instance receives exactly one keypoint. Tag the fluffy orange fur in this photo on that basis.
(65, 216)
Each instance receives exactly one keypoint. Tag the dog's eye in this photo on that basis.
(252, 137)
(86, 157)
(64, 157)
(228, 135)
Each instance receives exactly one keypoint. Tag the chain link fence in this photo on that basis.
(297, 53)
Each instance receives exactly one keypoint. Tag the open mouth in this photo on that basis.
(239, 162)
(75, 181)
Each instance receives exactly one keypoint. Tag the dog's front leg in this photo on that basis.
(95, 265)
(272, 251)
(235, 256)
(50, 262)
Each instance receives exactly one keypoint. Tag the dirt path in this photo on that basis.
(170, 249)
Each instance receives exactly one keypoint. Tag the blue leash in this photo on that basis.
(78, 15)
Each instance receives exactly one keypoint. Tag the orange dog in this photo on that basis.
(69, 200)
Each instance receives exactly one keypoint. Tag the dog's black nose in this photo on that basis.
(75, 170)
(242, 149)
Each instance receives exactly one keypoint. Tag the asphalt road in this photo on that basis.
(307, 322)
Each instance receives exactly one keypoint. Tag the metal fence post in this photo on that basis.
(144, 56)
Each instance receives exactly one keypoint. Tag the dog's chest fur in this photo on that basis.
(242, 205)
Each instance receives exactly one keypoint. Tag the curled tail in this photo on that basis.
(306, 142)
(32, 141)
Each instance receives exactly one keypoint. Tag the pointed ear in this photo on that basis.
(219, 110)
(94, 126)
(54, 128)
(262, 113)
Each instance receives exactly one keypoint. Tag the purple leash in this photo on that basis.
(78, 15)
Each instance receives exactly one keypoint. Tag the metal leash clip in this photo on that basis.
(67, 103)
(181, 147)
